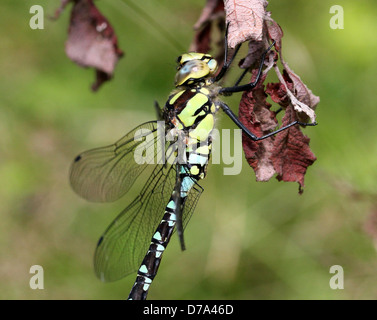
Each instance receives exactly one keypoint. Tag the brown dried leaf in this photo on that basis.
(255, 114)
(256, 49)
(278, 94)
(291, 155)
(245, 18)
(301, 108)
(275, 33)
(308, 101)
(209, 12)
(101, 77)
(288, 152)
(91, 40)
(212, 12)
(202, 40)
(302, 98)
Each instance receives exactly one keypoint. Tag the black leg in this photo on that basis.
(241, 77)
(227, 63)
(252, 84)
(252, 136)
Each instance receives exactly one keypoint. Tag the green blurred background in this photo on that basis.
(246, 240)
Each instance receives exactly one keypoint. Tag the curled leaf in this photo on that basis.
(300, 96)
(91, 40)
(255, 114)
(307, 111)
(202, 40)
(286, 154)
(291, 153)
(256, 49)
(212, 17)
(275, 32)
(210, 12)
(245, 18)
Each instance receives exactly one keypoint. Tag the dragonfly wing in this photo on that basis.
(105, 174)
(123, 245)
(190, 203)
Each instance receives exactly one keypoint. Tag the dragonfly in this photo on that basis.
(182, 144)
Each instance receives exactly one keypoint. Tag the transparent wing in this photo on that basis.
(190, 203)
(124, 244)
(105, 174)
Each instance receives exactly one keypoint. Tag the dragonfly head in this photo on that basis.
(194, 68)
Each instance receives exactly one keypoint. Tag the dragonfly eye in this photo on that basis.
(212, 64)
(181, 65)
(192, 70)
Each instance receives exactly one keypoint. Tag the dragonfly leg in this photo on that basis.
(251, 85)
(252, 136)
(227, 63)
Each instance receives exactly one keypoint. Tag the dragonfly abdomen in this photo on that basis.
(160, 240)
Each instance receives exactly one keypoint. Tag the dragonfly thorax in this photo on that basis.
(190, 109)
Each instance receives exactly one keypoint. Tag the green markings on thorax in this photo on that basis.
(193, 109)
